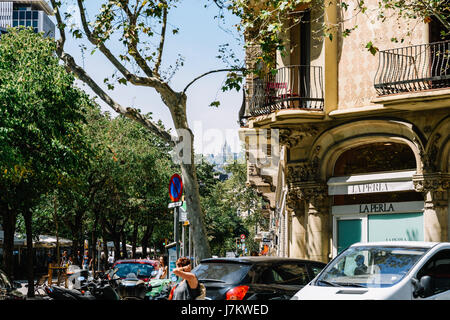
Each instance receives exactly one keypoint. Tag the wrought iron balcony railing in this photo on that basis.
(413, 68)
(291, 87)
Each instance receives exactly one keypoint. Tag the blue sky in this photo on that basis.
(198, 42)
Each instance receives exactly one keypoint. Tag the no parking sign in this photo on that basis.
(175, 188)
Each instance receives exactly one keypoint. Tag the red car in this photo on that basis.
(142, 268)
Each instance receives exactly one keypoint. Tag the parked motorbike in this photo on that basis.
(132, 288)
(59, 293)
(85, 289)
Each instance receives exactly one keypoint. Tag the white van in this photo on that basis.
(384, 271)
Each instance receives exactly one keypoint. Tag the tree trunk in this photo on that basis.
(105, 240)
(134, 240)
(145, 238)
(192, 198)
(9, 227)
(94, 243)
(124, 244)
(55, 219)
(116, 240)
(30, 263)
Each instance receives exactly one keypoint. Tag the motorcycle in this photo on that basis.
(59, 293)
(85, 289)
(132, 288)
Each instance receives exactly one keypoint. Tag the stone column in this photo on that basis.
(314, 229)
(295, 212)
(318, 221)
(435, 189)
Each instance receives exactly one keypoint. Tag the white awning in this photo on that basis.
(371, 183)
(18, 241)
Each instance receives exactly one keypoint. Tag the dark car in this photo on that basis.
(255, 278)
(142, 268)
(8, 288)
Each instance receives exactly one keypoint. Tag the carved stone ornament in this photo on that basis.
(293, 137)
(313, 192)
(302, 172)
(434, 182)
(252, 170)
(429, 158)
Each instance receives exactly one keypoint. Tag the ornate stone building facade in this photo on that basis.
(362, 142)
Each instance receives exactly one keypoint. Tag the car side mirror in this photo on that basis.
(423, 287)
(154, 273)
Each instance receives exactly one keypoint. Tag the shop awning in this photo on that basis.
(17, 240)
(45, 241)
(371, 183)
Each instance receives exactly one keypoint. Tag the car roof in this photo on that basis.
(258, 259)
(142, 261)
(408, 244)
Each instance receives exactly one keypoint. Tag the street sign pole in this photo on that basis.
(175, 193)
(176, 214)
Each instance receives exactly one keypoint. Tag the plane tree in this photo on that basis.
(142, 27)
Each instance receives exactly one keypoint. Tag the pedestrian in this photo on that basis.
(110, 260)
(103, 262)
(49, 260)
(189, 288)
(79, 259)
(64, 258)
(163, 268)
(86, 264)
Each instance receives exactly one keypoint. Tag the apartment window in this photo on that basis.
(27, 18)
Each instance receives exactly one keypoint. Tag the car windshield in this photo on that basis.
(230, 273)
(370, 267)
(139, 269)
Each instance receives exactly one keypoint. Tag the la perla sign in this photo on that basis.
(371, 183)
(373, 208)
(368, 188)
(376, 207)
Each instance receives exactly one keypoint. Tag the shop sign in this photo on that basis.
(376, 207)
(385, 207)
(371, 183)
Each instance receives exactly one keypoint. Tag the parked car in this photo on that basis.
(9, 289)
(384, 271)
(142, 268)
(255, 278)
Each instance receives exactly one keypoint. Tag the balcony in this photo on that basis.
(292, 87)
(414, 68)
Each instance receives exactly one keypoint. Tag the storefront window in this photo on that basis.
(375, 157)
(395, 227)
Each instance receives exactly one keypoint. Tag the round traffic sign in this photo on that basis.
(175, 188)
(242, 236)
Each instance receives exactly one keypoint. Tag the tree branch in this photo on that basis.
(131, 113)
(161, 43)
(128, 112)
(209, 72)
(134, 38)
